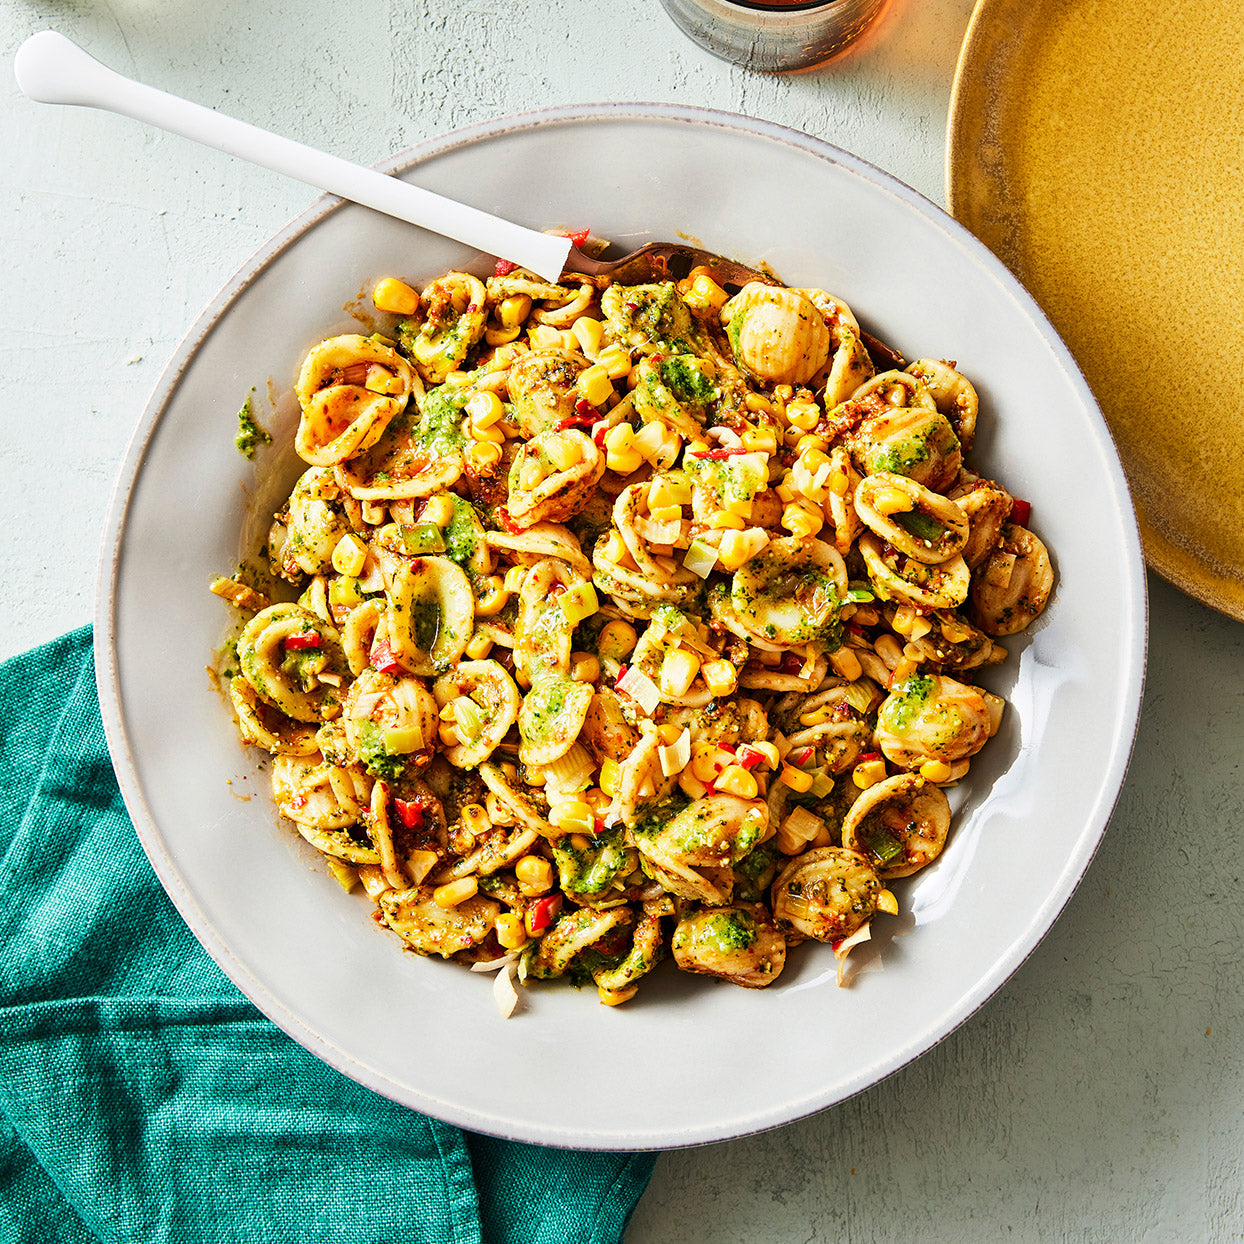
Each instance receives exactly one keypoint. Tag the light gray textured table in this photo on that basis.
(1097, 1096)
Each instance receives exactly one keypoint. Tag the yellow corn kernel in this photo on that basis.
(446, 712)
(454, 892)
(494, 435)
(720, 677)
(573, 816)
(796, 779)
(485, 409)
(891, 501)
(935, 771)
(595, 385)
(616, 361)
(735, 780)
(501, 336)
(723, 519)
(623, 462)
(562, 452)
(757, 403)
(669, 733)
(546, 337)
(705, 292)
(615, 997)
(868, 773)
(483, 456)
(887, 902)
(803, 415)
(584, 667)
(887, 648)
(515, 577)
(905, 669)
(839, 482)
(512, 311)
(589, 333)
(491, 597)
(769, 751)
(578, 602)
(395, 297)
(678, 671)
(534, 874)
(381, 380)
(667, 514)
(617, 640)
(664, 491)
(708, 761)
(596, 799)
(738, 547)
(475, 819)
(846, 664)
(802, 521)
(478, 647)
(657, 443)
(615, 548)
(691, 785)
(438, 509)
(349, 555)
(510, 931)
(610, 771)
(763, 440)
(809, 444)
(620, 438)
(448, 734)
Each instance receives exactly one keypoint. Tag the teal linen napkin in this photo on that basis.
(145, 1100)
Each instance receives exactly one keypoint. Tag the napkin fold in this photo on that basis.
(146, 1100)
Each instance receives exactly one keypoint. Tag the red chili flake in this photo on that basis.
(308, 640)
(579, 236)
(835, 943)
(1021, 512)
(716, 455)
(410, 812)
(583, 420)
(382, 658)
(504, 267)
(855, 628)
(540, 914)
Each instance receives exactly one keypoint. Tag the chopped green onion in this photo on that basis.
(884, 846)
(860, 596)
(700, 558)
(423, 538)
(467, 716)
(922, 526)
(859, 695)
(822, 785)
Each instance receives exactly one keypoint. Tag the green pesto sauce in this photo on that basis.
(657, 816)
(592, 870)
(377, 760)
(250, 435)
(656, 314)
(462, 532)
(921, 526)
(726, 932)
(906, 702)
(685, 377)
(439, 429)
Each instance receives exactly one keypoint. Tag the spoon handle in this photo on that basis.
(54, 70)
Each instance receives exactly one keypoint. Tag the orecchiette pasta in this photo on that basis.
(633, 621)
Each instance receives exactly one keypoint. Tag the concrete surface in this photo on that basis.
(1097, 1097)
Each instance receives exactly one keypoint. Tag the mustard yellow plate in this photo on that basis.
(1097, 147)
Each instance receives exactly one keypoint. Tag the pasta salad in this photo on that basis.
(626, 622)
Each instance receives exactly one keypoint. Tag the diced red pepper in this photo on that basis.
(579, 236)
(598, 824)
(382, 658)
(582, 420)
(598, 432)
(541, 913)
(584, 407)
(621, 675)
(1021, 512)
(716, 455)
(503, 517)
(308, 639)
(748, 757)
(410, 812)
(865, 757)
(805, 755)
(504, 267)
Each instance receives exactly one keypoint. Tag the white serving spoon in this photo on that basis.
(54, 70)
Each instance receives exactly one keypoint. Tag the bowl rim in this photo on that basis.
(1110, 779)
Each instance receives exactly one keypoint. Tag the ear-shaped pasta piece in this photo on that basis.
(485, 721)
(543, 540)
(790, 592)
(265, 727)
(573, 933)
(693, 853)
(313, 792)
(454, 323)
(430, 929)
(401, 710)
(420, 453)
(1012, 586)
(282, 651)
(919, 523)
(542, 633)
(826, 893)
(740, 944)
(954, 394)
(431, 614)
(349, 388)
(632, 517)
(542, 389)
(777, 334)
(306, 532)
(944, 586)
(553, 476)
(932, 717)
(899, 825)
(551, 717)
(987, 506)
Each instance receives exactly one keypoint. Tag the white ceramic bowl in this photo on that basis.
(690, 1060)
